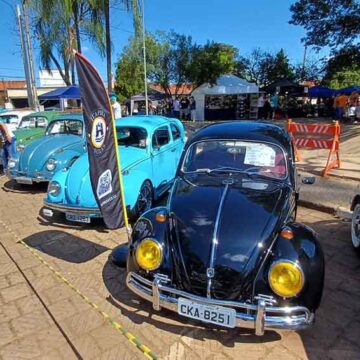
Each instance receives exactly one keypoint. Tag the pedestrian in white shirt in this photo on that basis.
(116, 107)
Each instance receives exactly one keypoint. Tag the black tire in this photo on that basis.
(145, 199)
(355, 229)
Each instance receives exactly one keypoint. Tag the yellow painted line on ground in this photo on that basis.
(117, 326)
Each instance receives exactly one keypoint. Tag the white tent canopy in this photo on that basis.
(225, 85)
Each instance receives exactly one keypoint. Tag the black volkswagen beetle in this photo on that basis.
(226, 249)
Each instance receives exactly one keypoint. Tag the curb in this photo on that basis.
(314, 206)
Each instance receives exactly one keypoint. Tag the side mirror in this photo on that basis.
(308, 180)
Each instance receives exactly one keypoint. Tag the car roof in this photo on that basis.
(70, 116)
(245, 130)
(43, 113)
(16, 112)
(148, 122)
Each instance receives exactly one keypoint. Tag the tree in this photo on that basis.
(333, 23)
(129, 76)
(313, 69)
(59, 26)
(210, 61)
(263, 68)
(343, 68)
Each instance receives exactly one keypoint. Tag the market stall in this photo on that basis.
(230, 98)
(137, 102)
(63, 98)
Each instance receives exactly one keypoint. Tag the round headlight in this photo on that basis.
(51, 164)
(149, 254)
(20, 148)
(11, 164)
(286, 278)
(54, 188)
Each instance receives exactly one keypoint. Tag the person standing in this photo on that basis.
(116, 107)
(9, 144)
(184, 108)
(192, 108)
(274, 100)
(260, 105)
(176, 108)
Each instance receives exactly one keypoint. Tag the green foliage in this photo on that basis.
(211, 61)
(333, 23)
(263, 68)
(346, 77)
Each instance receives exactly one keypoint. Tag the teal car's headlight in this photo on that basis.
(54, 188)
(20, 148)
(11, 163)
(51, 164)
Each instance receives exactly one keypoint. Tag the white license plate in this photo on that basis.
(208, 313)
(77, 218)
(24, 180)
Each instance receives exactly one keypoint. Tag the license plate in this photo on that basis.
(24, 180)
(207, 313)
(77, 218)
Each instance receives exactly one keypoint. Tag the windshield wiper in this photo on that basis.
(220, 169)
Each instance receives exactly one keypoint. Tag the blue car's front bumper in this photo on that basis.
(23, 177)
(65, 208)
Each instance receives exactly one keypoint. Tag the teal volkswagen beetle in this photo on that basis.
(150, 148)
(63, 143)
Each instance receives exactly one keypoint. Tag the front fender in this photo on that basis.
(64, 158)
(148, 227)
(132, 185)
(60, 177)
(304, 249)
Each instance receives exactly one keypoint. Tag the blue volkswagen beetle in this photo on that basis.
(150, 148)
(63, 143)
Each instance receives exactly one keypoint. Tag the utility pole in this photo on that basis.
(304, 64)
(108, 45)
(25, 57)
(30, 55)
(144, 53)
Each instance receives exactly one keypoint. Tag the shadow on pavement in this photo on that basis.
(140, 311)
(13, 186)
(335, 333)
(65, 246)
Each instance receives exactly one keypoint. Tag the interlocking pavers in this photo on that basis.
(75, 253)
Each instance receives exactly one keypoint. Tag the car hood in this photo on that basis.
(23, 136)
(78, 186)
(35, 155)
(250, 217)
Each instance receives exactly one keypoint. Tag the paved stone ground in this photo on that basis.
(42, 318)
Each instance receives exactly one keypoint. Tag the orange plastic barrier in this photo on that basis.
(317, 136)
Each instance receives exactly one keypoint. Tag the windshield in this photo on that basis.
(74, 127)
(236, 156)
(33, 122)
(9, 119)
(131, 136)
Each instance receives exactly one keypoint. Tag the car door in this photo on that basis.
(178, 144)
(163, 156)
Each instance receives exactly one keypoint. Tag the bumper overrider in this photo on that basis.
(260, 316)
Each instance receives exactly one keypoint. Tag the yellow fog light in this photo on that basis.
(149, 254)
(286, 278)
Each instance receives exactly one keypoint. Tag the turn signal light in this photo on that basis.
(160, 217)
(287, 233)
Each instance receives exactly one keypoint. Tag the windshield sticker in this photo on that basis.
(259, 155)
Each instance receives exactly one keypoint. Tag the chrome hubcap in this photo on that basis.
(355, 227)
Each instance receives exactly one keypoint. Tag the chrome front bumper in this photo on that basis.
(73, 209)
(24, 178)
(259, 317)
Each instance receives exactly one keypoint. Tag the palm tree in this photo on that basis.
(60, 25)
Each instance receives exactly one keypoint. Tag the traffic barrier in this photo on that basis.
(317, 136)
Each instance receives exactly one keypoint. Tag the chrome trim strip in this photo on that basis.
(64, 208)
(254, 316)
(215, 241)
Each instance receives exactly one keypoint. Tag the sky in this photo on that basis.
(243, 24)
